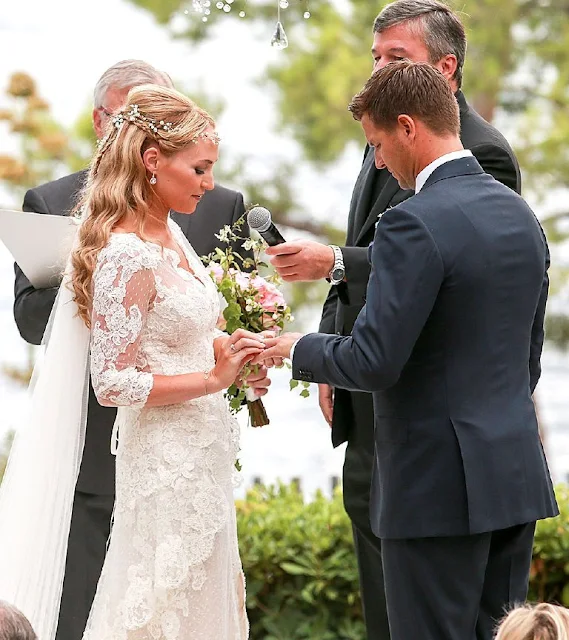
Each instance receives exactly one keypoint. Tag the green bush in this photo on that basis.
(302, 578)
(549, 580)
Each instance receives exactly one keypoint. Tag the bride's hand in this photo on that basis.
(232, 353)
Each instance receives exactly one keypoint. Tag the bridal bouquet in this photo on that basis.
(253, 302)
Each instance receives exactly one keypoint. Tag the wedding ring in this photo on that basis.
(232, 347)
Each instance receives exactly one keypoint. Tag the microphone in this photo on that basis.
(259, 219)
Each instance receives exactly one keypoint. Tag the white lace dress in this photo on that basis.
(172, 570)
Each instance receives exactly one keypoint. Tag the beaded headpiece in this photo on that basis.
(157, 127)
(135, 116)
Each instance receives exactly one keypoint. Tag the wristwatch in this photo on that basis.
(338, 272)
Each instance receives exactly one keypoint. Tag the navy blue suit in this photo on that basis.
(449, 343)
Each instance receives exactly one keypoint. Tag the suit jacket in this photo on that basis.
(449, 342)
(32, 306)
(345, 301)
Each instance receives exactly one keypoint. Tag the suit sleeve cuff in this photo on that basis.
(293, 348)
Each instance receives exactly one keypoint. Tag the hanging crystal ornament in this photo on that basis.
(279, 39)
(198, 6)
(242, 14)
(283, 4)
(306, 15)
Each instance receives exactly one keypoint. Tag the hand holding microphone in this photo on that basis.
(300, 261)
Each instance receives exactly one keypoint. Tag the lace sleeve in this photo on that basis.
(123, 291)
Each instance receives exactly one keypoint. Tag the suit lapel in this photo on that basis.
(387, 193)
(360, 194)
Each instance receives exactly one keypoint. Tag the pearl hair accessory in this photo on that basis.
(161, 128)
(138, 118)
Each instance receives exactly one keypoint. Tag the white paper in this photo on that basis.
(40, 244)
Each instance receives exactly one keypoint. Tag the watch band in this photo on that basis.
(339, 268)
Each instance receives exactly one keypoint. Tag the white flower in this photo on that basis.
(225, 234)
(249, 244)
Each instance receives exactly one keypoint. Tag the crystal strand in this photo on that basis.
(279, 39)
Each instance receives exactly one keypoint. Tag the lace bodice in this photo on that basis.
(140, 288)
(172, 570)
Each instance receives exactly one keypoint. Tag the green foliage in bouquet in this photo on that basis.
(253, 298)
(299, 562)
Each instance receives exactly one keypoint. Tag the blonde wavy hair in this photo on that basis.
(118, 183)
(535, 622)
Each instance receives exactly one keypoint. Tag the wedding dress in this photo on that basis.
(172, 569)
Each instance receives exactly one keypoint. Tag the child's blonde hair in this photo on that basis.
(535, 622)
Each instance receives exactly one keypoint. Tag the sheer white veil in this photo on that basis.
(36, 495)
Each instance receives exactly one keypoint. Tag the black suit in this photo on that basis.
(374, 192)
(94, 497)
(449, 342)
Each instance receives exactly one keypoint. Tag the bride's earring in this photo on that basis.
(153, 180)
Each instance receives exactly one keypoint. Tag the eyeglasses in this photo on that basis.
(105, 111)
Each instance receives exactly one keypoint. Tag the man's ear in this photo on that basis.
(448, 66)
(150, 158)
(407, 125)
(98, 123)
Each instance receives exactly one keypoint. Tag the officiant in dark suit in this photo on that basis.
(422, 31)
(94, 497)
(449, 344)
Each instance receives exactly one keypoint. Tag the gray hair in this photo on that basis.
(127, 74)
(13, 624)
(434, 22)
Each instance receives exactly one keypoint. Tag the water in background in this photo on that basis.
(296, 445)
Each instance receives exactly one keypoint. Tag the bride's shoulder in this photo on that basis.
(127, 249)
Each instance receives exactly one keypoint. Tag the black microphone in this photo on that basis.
(259, 219)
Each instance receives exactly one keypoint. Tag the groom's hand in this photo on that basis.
(278, 347)
(326, 401)
(302, 261)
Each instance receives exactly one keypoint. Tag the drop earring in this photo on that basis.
(153, 180)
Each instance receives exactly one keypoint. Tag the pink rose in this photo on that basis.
(269, 297)
(216, 270)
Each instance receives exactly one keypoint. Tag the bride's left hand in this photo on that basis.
(221, 341)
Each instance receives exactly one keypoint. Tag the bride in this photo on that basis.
(138, 293)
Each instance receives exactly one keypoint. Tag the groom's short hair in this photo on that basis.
(13, 624)
(416, 89)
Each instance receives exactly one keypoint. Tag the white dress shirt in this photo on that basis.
(428, 170)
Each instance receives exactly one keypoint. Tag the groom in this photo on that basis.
(449, 342)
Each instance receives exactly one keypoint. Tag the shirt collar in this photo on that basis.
(428, 170)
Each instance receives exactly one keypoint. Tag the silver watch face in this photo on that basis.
(338, 274)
